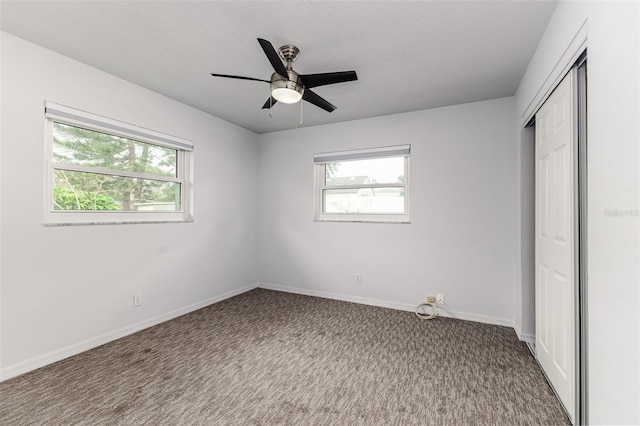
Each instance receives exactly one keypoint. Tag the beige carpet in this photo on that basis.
(271, 358)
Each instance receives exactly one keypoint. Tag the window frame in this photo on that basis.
(70, 116)
(320, 161)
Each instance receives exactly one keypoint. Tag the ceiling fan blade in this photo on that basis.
(239, 77)
(271, 101)
(313, 98)
(273, 57)
(315, 80)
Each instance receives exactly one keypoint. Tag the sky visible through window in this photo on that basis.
(379, 170)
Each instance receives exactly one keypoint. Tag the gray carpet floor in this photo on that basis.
(272, 358)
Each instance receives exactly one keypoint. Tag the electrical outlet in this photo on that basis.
(431, 299)
(137, 299)
(358, 278)
(440, 298)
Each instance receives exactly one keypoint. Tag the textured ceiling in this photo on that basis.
(409, 55)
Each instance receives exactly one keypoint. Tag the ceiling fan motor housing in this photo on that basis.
(285, 90)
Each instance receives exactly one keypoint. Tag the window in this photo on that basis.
(101, 170)
(368, 185)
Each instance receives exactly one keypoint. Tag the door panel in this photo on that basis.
(542, 326)
(555, 280)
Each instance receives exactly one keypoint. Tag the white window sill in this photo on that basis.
(374, 219)
(129, 222)
(83, 218)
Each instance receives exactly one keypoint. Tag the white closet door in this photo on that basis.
(555, 257)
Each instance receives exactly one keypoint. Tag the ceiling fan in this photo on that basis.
(287, 86)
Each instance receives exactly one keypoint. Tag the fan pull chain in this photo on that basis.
(270, 104)
(301, 121)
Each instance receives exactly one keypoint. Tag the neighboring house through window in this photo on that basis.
(367, 185)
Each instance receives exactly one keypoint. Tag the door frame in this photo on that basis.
(580, 234)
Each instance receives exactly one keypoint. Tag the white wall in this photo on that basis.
(461, 238)
(65, 289)
(524, 311)
(613, 183)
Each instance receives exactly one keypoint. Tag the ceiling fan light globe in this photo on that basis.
(286, 95)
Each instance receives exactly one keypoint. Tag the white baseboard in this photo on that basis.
(442, 311)
(60, 354)
(525, 337)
